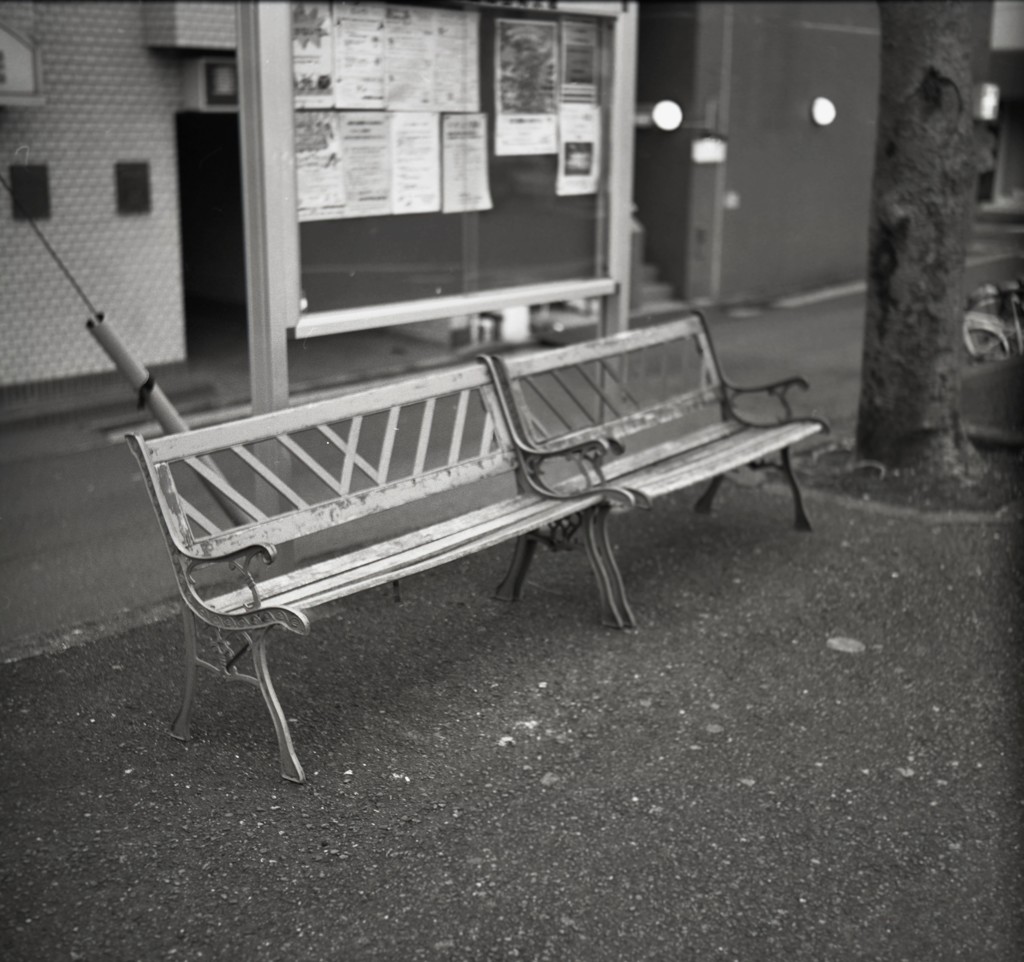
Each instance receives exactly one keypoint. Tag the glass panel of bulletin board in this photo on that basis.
(448, 149)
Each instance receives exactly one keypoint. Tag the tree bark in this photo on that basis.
(922, 205)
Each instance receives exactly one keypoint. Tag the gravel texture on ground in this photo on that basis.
(996, 482)
(809, 749)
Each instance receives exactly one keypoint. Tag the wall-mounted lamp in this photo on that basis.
(664, 115)
(823, 111)
(667, 115)
(986, 102)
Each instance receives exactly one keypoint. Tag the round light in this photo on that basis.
(823, 111)
(667, 115)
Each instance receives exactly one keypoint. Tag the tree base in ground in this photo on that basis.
(995, 481)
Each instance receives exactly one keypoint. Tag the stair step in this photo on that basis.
(656, 311)
(656, 291)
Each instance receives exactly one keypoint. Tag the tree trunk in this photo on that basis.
(922, 204)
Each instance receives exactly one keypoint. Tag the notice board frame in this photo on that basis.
(608, 281)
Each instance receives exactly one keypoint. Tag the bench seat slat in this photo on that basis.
(665, 472)
(357, 570)
(291, 525)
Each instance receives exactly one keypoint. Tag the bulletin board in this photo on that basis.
(418, 197)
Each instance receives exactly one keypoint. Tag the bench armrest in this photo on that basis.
(775, 389)
(532, 471)
(255, 614)
(513, 421)
(587, 455)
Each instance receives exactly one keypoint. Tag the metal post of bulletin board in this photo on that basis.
(620, 190)
(268, 194)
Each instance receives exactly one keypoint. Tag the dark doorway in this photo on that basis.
(212, 238)
(667, 56)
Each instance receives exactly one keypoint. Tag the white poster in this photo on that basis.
(318, 172)
(578, 149)
(415, 163)
(457, 63)
(312, 55)
(366, 161)
(464, 150)
(578, 62)
(525, 64)
(409, 44)
(359, 55)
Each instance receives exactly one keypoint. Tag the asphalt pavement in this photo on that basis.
(810, 748)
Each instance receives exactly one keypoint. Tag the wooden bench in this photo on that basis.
(658, 397)
(347, 494)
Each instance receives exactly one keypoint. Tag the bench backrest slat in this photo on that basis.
(381, 397)
(620, 385)
(421, 442)
(296, 500)
(460, 422)
(296, 472)
(198, 520)
(299, 453)
(692, 325)
(217, 482)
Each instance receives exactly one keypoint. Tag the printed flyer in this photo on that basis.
(457, 65)
(359, 56)
(525, 64)
(415, 162)
(312, 55)
(464, 151)
(366, 162)
(410, 48)
(319, 180)
(579, 149)
(579, 63)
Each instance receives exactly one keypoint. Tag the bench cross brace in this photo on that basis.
(785, 466)
(562, 535)
(228, 653)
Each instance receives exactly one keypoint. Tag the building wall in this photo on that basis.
(797, 196)
(788, 207)
(667, 54)
(109, 98)
(206, 25)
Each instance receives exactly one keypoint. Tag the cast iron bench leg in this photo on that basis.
(703, 505)
(511, 588)
(290, 767)
(615, 609)
(802, 522)
(182, 723)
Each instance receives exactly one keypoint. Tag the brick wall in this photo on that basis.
(109, 98)
(199, 26)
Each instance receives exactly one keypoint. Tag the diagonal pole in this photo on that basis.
(137, 374)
